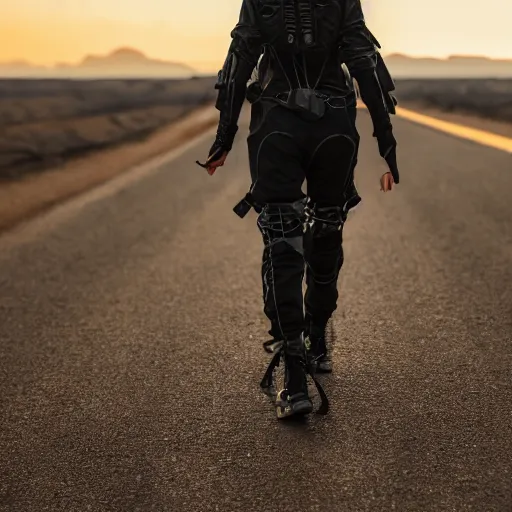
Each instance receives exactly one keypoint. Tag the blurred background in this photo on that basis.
(130, 314)
(138, 66)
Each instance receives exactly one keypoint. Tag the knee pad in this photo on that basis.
(324, 221)
(283, 223)
(323, 235)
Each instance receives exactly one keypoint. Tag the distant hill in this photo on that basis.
(19, 68)
(121, 63)
(403, 66)
(128, 62)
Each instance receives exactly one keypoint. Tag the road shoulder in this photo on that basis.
(22, 200)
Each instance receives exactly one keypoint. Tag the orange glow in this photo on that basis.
(50, 31)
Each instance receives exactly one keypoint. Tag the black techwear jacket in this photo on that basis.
(302, 44)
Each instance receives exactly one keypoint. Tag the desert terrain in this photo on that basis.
(45, 123)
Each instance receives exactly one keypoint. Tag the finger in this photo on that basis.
(219, 160)
(213, 157)
(216, 163)
(389, 182)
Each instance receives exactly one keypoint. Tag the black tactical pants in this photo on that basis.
(302, 234)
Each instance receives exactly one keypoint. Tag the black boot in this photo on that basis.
(318, 353)
(294, 399)
(275, 343)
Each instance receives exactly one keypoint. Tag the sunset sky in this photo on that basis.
(49, 31)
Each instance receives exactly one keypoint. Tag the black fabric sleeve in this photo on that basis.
(358, 48)
(359, 53)
(243, 54)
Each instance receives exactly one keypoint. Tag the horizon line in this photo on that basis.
(27, 61)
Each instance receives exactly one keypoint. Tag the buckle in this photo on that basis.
(243, 207)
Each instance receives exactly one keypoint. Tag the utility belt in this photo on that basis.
(243, 207)
(248, 202)
(311, 104)
(295, 99)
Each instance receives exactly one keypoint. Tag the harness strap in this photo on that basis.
(267, 383)
(243, 207)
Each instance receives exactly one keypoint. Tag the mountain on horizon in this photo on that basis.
(455, 66)
(120, 63)
(131, 63)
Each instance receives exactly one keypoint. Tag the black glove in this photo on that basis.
(223, 143)
(387, 149)
(224, 138)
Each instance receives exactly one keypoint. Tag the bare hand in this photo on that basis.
(386, 182)
(211, 166)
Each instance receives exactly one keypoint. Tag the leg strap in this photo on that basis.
(268, 387)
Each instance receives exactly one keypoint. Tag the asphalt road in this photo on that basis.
(131, 332)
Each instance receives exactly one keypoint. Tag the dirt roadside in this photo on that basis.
(24, 199)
